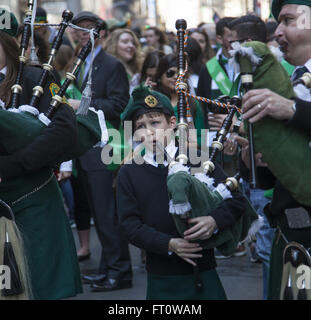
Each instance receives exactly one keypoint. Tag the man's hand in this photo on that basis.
(230, 145)
(203, 228)
(185, 250)
(244, 143)
(259, 103)
(215, 121)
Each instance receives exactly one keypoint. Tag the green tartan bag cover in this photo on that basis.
(190, 198)
(18, 130)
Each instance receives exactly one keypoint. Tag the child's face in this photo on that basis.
(153, 128)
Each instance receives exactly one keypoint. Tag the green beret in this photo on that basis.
(8, 22)
(115, 24)
(278, 4)
(144, 100)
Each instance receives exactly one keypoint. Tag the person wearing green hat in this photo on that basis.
(143, 207)
(295, 42)
(28, 184)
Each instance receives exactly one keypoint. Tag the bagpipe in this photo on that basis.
(195, 195)
(285, 149)
(21, 125)
(287, 152)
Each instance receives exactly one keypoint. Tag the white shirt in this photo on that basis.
(302, 91)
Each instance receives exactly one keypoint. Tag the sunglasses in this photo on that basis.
(170, 73)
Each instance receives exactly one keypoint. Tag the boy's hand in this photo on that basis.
(203, 229)
(185, 249)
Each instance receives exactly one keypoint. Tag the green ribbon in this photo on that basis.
(288, 67)
(219, 76)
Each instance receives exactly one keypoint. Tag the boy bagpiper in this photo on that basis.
(143, 208)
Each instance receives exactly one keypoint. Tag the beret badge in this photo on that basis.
(151, 101)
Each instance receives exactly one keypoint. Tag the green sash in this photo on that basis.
(219, 76)
(288, 67)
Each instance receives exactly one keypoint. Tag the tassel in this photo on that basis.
(9, 260)
(33, 58)
(288, 292)
(86, 99)
(87, 92)
(12, 255)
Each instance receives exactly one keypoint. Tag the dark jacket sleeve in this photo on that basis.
(58, 137)
(231, 209)
(204, 84)
(302, 116)
(265, 178)
(116, 94)
(131, 219)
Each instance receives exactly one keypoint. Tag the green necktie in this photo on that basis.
(223, 60)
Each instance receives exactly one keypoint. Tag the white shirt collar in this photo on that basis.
(171, 149)
(301, 91)
(307, 65)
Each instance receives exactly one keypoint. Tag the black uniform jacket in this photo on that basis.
(143, 209)
(110, 93)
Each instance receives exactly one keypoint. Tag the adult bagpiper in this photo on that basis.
(290, 207)
(28, 185)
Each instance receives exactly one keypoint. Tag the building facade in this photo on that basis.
(162, 13)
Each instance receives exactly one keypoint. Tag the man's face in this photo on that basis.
(295, 42)
(153, 128)
(233, 37)
(84, 36)
(151, 37)
(224, 41)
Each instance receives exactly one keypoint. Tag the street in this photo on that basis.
(240, 277)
